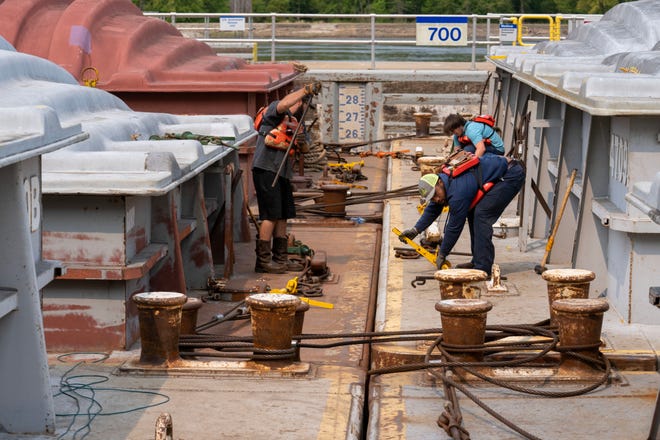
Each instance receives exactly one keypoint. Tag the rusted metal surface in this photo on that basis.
(459, 283)
(143, 60)
(189, 314)
(228, 222)
(319, 263)
(566, 283)
(198, 261)
(169, 274)
(160, 323)
(580, 321)
(463, 324)
(272, 317)
(298, 324)
(70, 327)
(422, 123)
(335, 194)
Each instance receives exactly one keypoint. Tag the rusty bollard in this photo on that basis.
(464, 324)
(159, 314)
(272, 316)
(336, 195)
(566, 283)
(430, 164)
(189, 315)
(298, 321)
(422, 124)
(457, 283)
(580, 322)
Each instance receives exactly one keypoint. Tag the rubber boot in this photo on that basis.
(281, 255)
(264, 263)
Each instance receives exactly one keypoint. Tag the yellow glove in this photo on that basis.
(313, 88)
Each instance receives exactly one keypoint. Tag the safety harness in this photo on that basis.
(462, 161)
(483, 119)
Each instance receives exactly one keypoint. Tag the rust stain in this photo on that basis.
(72, 236)
(131, 272)
(139, 236)
(54, 307)
(80, 248)
(76, 331)
(118, 257)
(200, 253)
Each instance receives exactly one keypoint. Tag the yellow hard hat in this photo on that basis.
(427, 187)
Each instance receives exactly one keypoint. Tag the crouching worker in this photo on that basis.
(479, 195)
(478, 135)
(276, 125)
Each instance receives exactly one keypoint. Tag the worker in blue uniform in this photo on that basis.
(461, 194)
(474, 136)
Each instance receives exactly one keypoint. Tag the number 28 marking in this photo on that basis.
(444, 34)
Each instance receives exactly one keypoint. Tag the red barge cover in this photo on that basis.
(143, 60)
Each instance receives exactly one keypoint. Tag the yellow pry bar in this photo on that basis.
(292, 289)
(420, 250)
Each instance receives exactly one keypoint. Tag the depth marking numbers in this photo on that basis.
(351, 121)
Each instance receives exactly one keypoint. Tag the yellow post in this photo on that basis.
(557, 35)
(255, 52)
(552, 31)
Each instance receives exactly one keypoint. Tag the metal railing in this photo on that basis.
(483, 30)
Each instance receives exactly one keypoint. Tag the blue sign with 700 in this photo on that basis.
(442, 31)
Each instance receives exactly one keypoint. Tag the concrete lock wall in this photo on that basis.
(366, 105)
(141, 204)
(592, 103)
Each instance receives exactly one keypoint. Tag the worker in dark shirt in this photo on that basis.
(460, 193)
(276, 126)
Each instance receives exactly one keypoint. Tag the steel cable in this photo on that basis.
(440, 365)
(370, 198)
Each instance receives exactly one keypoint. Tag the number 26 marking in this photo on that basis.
(444, 34)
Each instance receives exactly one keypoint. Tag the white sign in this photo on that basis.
(508, 32)
(442, 31)
(32, 187)
(351, 121)
(232, 23)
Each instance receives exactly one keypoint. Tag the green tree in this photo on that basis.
(439, 7)
(171, 5)
(565, 6)
(379, 7)
(595, 6)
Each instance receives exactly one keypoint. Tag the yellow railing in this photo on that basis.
(554, 26)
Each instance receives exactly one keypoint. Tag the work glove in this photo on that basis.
(313, 88)
(408, 233)
(302, 142)
(440, 261)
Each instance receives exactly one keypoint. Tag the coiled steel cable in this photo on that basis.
(439, 366)
(448, 382)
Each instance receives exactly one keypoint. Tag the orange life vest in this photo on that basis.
(461, 161)
(484, 119)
